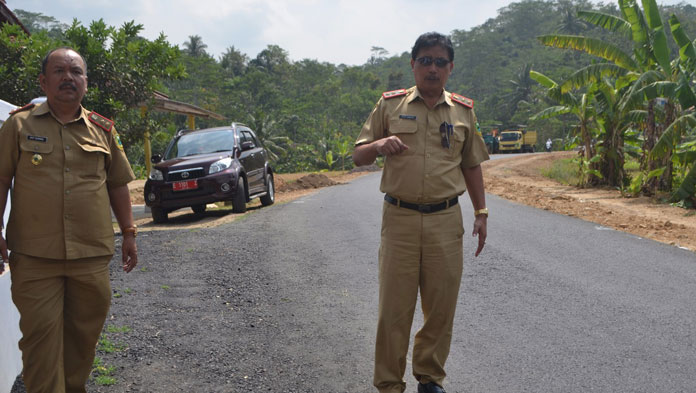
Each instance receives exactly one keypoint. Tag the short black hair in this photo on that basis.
(428, 40)
(44, 62)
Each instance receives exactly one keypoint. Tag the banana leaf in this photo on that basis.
(686, 47)
(591, 74)
(551, 112)
(687, 188)
(660, 50)
(639, 29)
(591, 46)
(606, 21)
(542, 79)
(671, 137)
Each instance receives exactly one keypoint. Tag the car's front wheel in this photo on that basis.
(239, 202)
(159, 215)
(269, 198)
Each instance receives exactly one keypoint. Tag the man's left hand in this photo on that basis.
(129, 253)
(480, 229)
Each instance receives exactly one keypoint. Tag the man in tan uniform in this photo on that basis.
(432, 155)
(69, 168)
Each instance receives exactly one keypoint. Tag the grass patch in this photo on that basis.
(564, 171)
(115, 329)
(107, 346)
(102, 373)
(165, 287)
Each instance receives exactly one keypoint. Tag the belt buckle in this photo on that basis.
(424, 208)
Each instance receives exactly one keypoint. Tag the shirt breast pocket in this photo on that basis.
(90, 160)
(405, 129)
(33, 153)
(458, 139)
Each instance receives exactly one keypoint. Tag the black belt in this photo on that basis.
(432, 208)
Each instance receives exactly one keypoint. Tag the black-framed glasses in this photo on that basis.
(446, 131)
(428, 60)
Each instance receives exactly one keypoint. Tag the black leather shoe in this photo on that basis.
(430, 387)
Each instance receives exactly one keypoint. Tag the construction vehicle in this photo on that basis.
(492, 143)
(517, 141)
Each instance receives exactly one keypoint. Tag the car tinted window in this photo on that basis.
(201, 143)
(256, 140)
(249, 138)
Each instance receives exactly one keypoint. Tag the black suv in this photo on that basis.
(209, 165)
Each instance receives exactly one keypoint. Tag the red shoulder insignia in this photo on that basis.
(101, 121)
(460, 99)
(25, 107)
(394, 93)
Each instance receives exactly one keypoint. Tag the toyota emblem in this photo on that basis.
(184, 175)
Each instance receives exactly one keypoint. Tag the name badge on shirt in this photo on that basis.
(407, 117)
(35, 138)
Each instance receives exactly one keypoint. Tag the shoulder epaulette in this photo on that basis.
(460, 99)
(101, 121)
(25, 107)
(394, 93)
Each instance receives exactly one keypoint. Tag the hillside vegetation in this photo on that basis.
(307, 112)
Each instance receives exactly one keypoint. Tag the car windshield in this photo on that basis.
(509, 136)
(201, 143)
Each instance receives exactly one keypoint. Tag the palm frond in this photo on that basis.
(639, 29)
(591, 46)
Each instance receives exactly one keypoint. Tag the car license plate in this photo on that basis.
(185, 185)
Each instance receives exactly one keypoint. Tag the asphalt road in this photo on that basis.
(285, 300)
(554, 304)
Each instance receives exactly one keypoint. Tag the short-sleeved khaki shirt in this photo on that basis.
(427, 172)
(60, 200)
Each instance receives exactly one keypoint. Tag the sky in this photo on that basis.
(334, 31)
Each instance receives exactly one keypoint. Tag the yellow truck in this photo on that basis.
(517, 141)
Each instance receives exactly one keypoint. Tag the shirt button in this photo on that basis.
(67, 147)
(67, 169)
(67, 191)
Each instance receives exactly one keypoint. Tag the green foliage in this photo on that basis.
(308, 113)
(563, 171)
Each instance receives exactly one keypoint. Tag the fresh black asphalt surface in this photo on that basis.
(285, 300)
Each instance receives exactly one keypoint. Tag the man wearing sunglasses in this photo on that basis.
(432, 155)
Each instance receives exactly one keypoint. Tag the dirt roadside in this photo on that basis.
(517, 179)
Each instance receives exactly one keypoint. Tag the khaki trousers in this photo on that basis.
(417, 252)
(62, 306)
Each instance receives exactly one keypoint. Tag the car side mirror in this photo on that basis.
(247, 145)
(156, 158)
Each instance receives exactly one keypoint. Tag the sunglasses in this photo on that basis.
(428, 60)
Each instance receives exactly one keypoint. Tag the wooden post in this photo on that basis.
(191, 122)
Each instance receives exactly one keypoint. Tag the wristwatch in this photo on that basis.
(483, 211)
(133, 230)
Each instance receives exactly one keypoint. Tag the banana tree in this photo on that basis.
(581, 108)
(679, 137)
(650, 53)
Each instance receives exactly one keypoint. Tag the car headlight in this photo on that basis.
(220, 165)
(156, 174)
